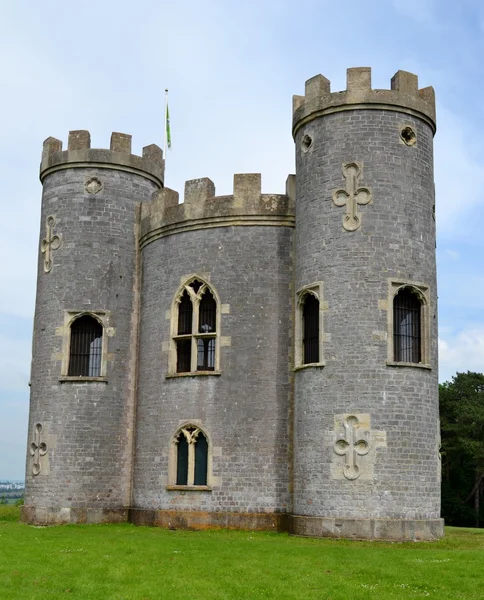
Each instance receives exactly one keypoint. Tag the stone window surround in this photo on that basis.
(316, 289)
(423, 292)
(102, 317)
(173, 456)
(195, 298)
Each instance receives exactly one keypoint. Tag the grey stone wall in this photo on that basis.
(87, 425)
(396, 240)
(272, 432)
(245, 409)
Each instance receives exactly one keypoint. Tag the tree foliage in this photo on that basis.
(462, 426)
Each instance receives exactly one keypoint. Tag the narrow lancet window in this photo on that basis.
(185, 315)
(310, 329)
(201, 458)
(182, 460)
(407, 330)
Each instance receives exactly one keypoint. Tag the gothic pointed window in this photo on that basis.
(408, 324)
(85, 353)
(309, 321)
(195, 337)
(190, 458)
(407, 329)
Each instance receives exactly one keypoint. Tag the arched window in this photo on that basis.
(85, 351)
(309, 325)
(407, 326)
(190, 459)
(195, 329)
(310, 329)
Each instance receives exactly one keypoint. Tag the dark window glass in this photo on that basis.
(196, 285)
(86, 347)
(185, 313)
(208, 312)
(206, 354)
(311, 329)
(182, 461)
(183, 355)
(201, 459)
(407, 341)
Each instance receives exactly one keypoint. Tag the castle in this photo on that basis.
(254, 361)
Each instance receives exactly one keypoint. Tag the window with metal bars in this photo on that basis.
(407, 327)
(196, 329)
(310, 314)
(191, 446)
(85, 355)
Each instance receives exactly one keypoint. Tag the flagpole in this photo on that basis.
(164, 138)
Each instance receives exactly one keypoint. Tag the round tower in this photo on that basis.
(214, 392)
(79, 457)
(366, 428)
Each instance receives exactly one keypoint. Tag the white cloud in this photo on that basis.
(461, 352)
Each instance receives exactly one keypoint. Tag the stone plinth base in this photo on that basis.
(173, 519)
(36, 515)
(394, 530)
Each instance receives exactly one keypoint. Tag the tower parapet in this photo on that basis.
(403, 96)
(202, 209)
(80, 154)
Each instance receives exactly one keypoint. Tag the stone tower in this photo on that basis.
(260, 361)
(237, 246)
(81, 426)
(366, 429)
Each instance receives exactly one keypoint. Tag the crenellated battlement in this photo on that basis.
(403, 96)
(202, 209)
(80, 154)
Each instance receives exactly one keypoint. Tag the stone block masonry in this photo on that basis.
(343, 447)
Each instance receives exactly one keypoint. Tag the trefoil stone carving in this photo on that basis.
(352, 445)
(38, 448)
(50, 242)
(352, 196)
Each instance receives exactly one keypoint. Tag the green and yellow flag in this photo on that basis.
(168, 132)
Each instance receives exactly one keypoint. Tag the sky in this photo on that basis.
(231, 69)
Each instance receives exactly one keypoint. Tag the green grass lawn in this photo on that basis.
(123, 562)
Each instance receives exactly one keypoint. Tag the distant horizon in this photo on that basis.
(5, 480)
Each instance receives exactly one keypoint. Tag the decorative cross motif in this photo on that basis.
(37, 449)
(351, 196)
(351, 446)
(49, 243)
